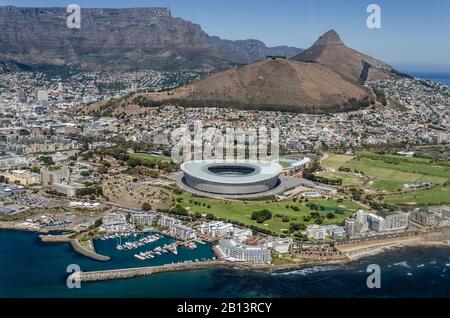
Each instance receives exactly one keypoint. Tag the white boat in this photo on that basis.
(139, 257)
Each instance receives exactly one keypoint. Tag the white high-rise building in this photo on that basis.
(216, 228)
(182, 232)
(361, 216)
(316, 232)
(235, 251)
(376, 223)
(351, 228)
(397, 221)
(334, 231)
(143, 218)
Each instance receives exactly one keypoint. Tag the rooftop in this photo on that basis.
(232, 171)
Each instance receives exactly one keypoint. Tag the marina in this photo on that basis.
(134, 244)
(151, 249)
(48, 273)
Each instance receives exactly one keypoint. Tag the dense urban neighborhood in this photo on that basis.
(99, 175)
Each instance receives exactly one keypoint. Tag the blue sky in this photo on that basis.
(414, 33)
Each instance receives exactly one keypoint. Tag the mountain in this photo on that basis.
(248, 51)
(124, 39)
(329, 50)
(274, 84)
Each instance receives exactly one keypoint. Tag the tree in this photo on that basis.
(262, 215)
(85, 173)
(297, 227)
(178, 209)
(318, 221)
(315, 214)
(46, 160)
(146, 206)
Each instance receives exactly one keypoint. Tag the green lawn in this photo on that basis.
(241, 211)
(435, 196)
(412, 165)
(348, 179)
(284, 164)
(387, 175)
(147, 156)
(391, 177)
(391, 172)
(335, 161)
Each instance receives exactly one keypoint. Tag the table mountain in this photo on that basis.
(111, 39)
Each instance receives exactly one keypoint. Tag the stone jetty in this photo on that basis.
(91, 253)
(88, 253)
(54, 238)
(145, 271)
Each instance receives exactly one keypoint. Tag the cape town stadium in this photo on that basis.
(231, 176)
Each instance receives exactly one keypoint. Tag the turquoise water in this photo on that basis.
(30, 269)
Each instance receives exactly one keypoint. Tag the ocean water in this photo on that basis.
(443, 78)
(29, 268)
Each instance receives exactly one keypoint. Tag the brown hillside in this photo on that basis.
(271, 84)
(329, 50)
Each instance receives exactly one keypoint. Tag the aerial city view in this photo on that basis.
(248, 149)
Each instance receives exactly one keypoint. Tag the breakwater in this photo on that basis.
(145, 271)
(54, 238)
(88, 253)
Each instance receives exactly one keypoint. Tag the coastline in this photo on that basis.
(12, 226)
(352, 252)
(45, 238)
(438, 238)
(408, 267)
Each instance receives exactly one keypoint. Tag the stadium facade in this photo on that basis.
(232, 177)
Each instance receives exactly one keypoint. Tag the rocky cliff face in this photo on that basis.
(111, 39)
